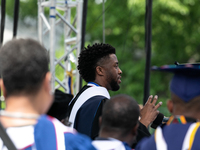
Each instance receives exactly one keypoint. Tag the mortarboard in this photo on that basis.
(186, 80)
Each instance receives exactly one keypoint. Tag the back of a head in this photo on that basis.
(185, 85)
(24, 64)
(120, 113)
(89, 58)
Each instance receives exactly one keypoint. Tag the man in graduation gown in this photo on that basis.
(99, 67)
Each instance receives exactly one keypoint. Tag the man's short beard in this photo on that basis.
(114, 86)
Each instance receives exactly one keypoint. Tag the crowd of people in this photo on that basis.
(34, 118)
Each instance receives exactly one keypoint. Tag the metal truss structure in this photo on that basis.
(67, 16)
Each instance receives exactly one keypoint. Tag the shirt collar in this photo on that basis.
(180, 119)
(92, 84)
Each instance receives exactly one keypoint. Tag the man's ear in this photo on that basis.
(47, 82)
(3, 88)
(134, 129)
(170, 106)
(99, 70)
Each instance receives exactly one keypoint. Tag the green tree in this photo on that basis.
(28, 8)
(175, 37)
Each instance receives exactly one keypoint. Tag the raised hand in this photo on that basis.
(149, 111)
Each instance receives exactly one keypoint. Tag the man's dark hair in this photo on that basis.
(24, 64)
(90, 57)
(120, 114)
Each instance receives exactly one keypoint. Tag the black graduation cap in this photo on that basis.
(60, 104)
(186, 80)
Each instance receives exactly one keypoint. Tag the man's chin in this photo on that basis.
(116, 88)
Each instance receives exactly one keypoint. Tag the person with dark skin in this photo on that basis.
(182, 131)
(27, 90)
(99, 67)
(118, 123)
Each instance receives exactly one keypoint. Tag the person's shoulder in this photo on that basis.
(196, 137)
(97, 98)
(110, 144)
(46, 122)
(52, 131)
(78, 141)
(146, 143)
(93, 91)
(21, 136)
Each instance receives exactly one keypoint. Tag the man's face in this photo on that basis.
(113, 73)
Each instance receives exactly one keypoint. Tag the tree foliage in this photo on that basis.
(28, 8)
(175, 37)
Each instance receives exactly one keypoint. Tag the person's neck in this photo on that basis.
(115, 135)
(94, 83)
(23, 104)
(100, 82)
(187, 114)
(19, 111)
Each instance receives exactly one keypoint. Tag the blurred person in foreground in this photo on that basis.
(118, 124)
(99, 67)
(182, 130)
(27, 91)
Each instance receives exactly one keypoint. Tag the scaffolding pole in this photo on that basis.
(67, 16)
